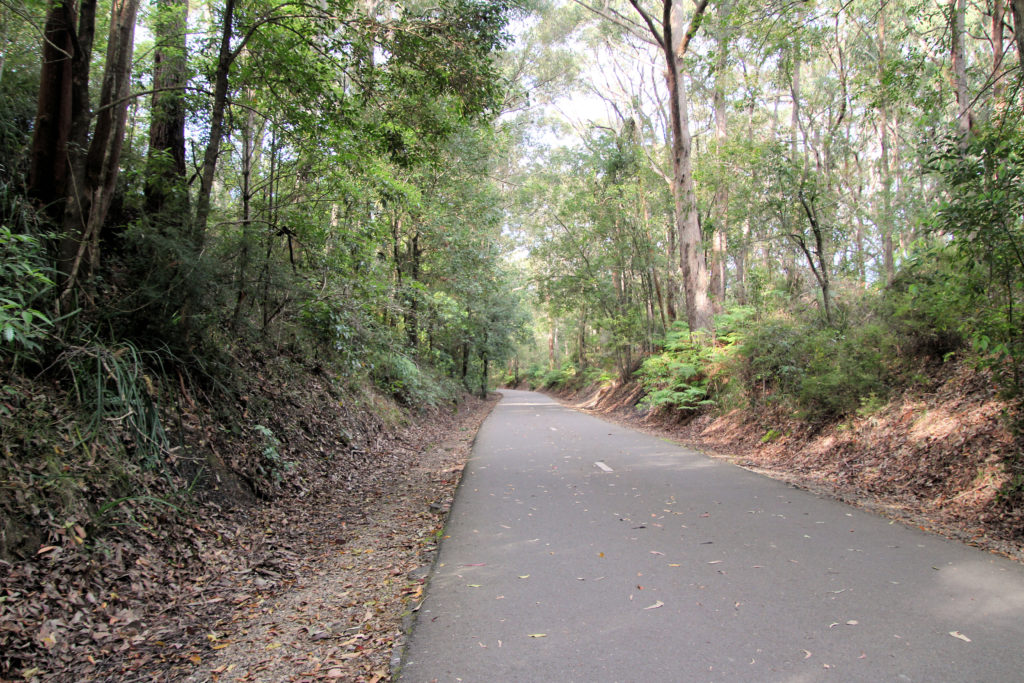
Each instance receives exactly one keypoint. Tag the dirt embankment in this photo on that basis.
(295, 564)
(942, 457)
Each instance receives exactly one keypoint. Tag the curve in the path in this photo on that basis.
(579, 550)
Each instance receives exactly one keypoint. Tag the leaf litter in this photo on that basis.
(310, 585)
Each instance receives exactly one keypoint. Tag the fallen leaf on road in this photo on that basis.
(957, 634)
(524, 576)
(655, 552)
(852, 622)
(656, 605)
(715, 562)
(807, 654)
(538, 635)
(472, 585)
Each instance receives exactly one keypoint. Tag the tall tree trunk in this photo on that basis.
(412, 317)
(1017, 10)
(552, 343)
(719, 240)
(671, 275)
(248, 135)
(674, 41)
(998, 72)
(48, 162)
(696, 281)
(885, 222)
(958, 12)
(93, 178)
(794, 116)
(225, 57)
(581, 338)
(166, 193)
(788, 256)
(485, 372)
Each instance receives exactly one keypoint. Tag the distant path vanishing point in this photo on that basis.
(579, 550)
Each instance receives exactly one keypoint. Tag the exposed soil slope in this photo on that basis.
(941, 457)
(296, 574)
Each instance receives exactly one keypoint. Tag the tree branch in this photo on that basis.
(651, 25)
(616, 18)
(691, 31)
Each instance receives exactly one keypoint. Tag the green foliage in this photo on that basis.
(342, 328)
(927, 306)
(820, 371)
(25, 287)
(271, 465)
(161, 294)
(595, 217)
(984, 178)
(558, 378)
(677, 378)
(20, 79)
(400, 377)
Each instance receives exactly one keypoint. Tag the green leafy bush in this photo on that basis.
(984, 179)
(399, 376)
(822, 372)
(677, 378)
(271, 465)
(926, 306)
(26, 284)
(558, 378)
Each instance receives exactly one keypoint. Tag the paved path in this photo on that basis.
(579, 550)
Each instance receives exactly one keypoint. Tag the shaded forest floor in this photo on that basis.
(939, 456)
(311, 578)
(358, 574)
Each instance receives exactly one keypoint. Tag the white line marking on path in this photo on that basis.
(603, 466)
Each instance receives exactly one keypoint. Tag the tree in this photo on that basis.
(166, 193)
(76, 152)
(674, 41)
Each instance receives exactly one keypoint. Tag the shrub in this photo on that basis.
(399, 376)
(925, 305)
(820, 371)
(25, 283)
(677, 378)
(984, 179)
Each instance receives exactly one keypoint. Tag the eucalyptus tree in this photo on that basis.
(669, 29)
(597, 245)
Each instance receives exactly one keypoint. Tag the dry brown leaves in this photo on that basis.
(938, 460)
(309, 584)
(341, 616)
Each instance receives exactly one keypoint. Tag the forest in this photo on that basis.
(245, 240)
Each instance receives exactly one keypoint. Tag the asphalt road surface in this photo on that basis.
(578, 550)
